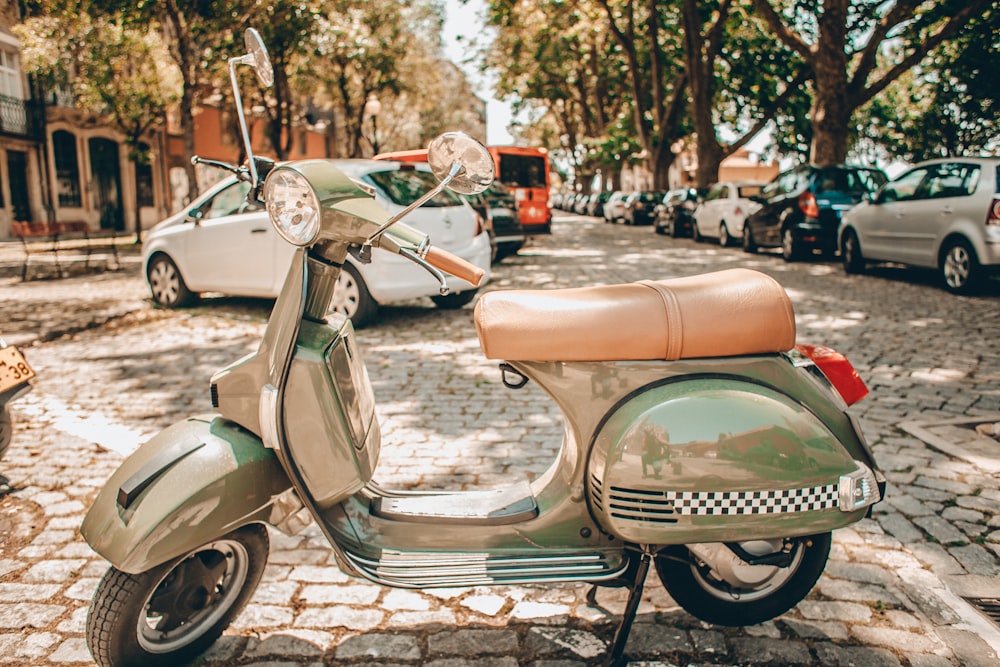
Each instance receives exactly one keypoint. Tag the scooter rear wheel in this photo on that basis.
(691, 584)
(169, 614)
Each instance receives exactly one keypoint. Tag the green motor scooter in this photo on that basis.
(698, 438)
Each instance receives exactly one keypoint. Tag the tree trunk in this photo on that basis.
(830, 114)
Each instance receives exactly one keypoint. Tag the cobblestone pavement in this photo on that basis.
(113, 370)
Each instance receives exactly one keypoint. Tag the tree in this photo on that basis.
(948, 106)
(114, 72)
(736, 77)
(360, 48)
(846, 43)
(561, 65)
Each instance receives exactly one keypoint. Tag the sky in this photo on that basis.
(463, 19)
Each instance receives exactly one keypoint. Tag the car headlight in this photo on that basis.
(292, 205)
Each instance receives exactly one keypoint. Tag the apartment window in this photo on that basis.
(10, 75)
(67, 169)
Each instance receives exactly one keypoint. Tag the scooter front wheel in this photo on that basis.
(748, 594)
(169, 614)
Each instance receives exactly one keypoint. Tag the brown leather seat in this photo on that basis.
(726, 313)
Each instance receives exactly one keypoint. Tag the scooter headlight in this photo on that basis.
(292, 205)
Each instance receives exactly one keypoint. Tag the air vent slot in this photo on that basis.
(215, 395)
(640, 505)
(989, 607)
(596, 493)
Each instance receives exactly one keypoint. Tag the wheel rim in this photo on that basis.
(747, 238)
(164, 282)
(193, 596)
(723, 235)
(777, 578)
(957, 266)
(346, 295)
(787, 243)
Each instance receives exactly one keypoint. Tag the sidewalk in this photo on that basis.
(72, 259)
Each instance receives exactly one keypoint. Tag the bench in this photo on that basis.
(39, 237)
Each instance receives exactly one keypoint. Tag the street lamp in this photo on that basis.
(373, 107)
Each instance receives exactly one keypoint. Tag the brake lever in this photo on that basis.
(409, 254)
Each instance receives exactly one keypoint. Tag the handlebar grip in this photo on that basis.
(455, 265)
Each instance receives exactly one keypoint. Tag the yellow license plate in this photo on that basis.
(14, 370)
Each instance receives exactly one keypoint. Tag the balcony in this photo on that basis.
(21, 118)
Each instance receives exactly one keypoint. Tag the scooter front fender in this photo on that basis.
(192, 483)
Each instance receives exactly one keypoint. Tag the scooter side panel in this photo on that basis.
(714, 460)
(192, 483)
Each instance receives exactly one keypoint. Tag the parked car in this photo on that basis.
(942, 214)
(220, 243)
(640, 207)
(614, 208)
(674, 214)
(498, 207)
(725, 208)
(595, 207)
(801, 208)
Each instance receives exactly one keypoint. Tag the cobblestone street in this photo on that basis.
(112, 371)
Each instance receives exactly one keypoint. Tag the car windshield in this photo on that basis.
(849, 180)
(747, 191)
(405, 186)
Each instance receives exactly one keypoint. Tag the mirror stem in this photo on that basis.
(233, 62)
(456, 169)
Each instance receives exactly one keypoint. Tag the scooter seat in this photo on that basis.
(720, 314)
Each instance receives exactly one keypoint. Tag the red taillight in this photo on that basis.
(993, 218)
(807, 202)
(838, 370)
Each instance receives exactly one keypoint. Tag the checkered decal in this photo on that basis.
(710, 503)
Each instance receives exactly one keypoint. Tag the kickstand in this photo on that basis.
(631, 606)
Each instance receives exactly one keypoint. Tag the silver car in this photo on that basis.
(942, 214)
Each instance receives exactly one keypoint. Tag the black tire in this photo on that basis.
(166, 285)
(850, 253)
(454, 300)
(749, 245)
(712, 601)
(791, 249)
(6, 430)
(176, 594)
(960, 269)
(725, 240)
(352, 299)
(658, 228)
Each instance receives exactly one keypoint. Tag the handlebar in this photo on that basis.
(455, 265)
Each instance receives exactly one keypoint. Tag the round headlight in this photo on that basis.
(292, 206)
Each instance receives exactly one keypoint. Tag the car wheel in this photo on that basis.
(352, 299)
(749, 245)
(675, 229)
(696, 233)
(960, 267)
(454, 300)
(658, 228)
(854, 261)
(789, 246)
(166, 285)
(724, 238)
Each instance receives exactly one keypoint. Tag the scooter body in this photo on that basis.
(725, 463)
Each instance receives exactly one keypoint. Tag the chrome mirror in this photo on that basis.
(476, 171)
(258, 57)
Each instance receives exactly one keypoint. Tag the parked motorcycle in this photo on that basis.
(15, 374)
(698, 439)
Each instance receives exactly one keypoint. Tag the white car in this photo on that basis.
(614, 208)
(724, 210)
(221, 244)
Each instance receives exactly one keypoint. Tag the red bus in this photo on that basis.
(525, 171)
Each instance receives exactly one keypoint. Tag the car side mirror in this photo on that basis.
(195, 215)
